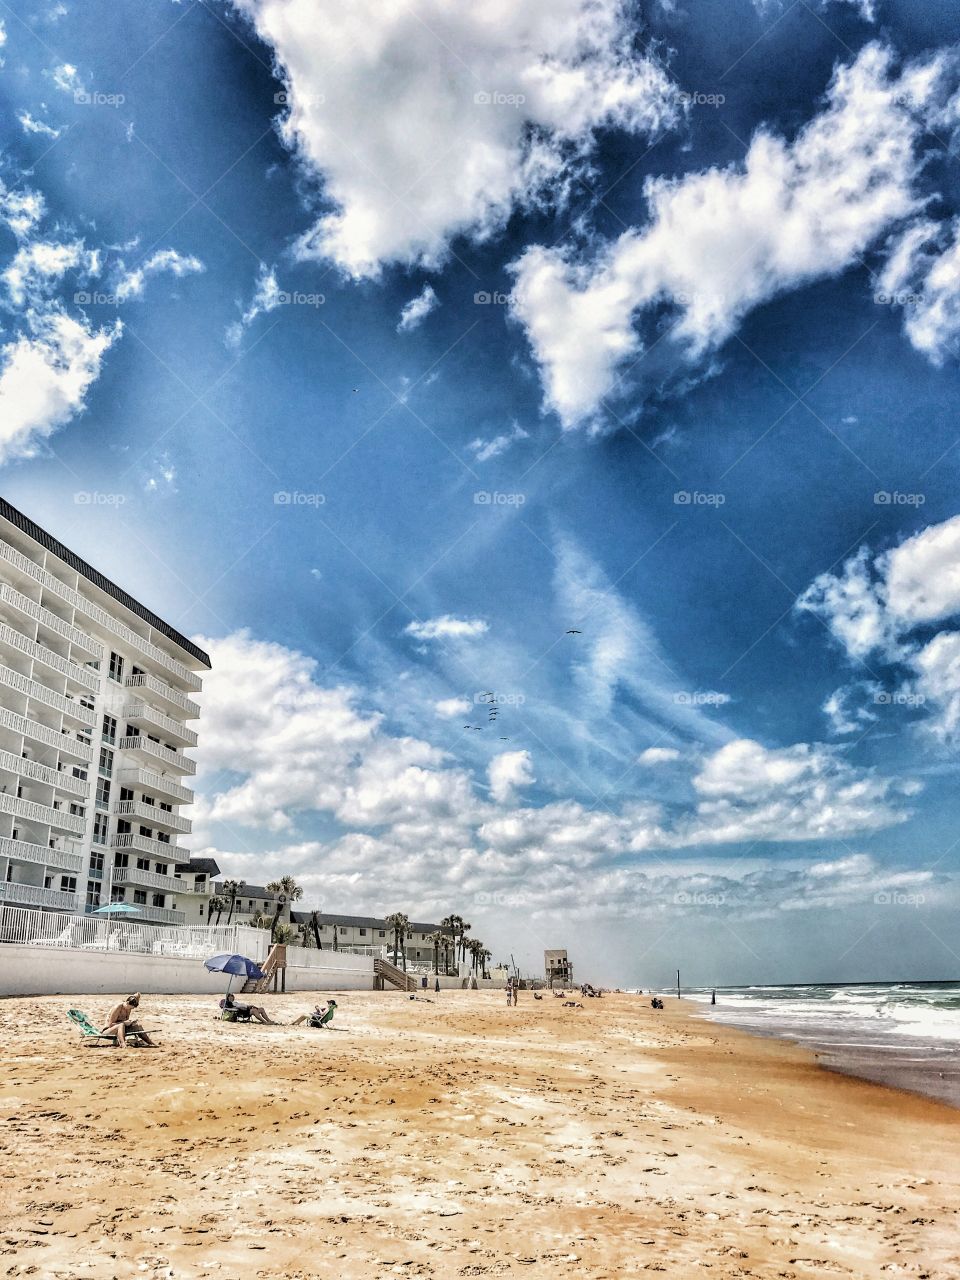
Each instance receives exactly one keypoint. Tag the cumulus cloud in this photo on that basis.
(507, 772)
(267, 296)
(417, 309)
(450, 708)
(923, 275)
(40, 263)
(447, 627)
(658, 755)
(436, 148)
(877, 603)
(719, 243)
(131, 284)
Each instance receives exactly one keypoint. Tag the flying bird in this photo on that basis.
(574, 632)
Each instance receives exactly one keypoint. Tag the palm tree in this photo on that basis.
(485, 955)
(400, 924)
(464, 926)
(450, 924)
(232, 890)
(476, 951)
(287, 890)
(217, 905)
(438, 940)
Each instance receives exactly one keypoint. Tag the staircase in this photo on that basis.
(275, 961)
(384, 971)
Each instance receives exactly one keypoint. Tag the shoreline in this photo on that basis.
(459, 1137)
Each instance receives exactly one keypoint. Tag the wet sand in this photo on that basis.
(459, 1138)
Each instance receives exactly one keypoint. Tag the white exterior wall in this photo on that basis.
(57, 632)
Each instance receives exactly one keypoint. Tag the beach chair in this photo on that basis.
(89, 1035)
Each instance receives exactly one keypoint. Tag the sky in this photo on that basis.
(545, 416)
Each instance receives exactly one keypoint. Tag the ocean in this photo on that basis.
(905, 1034)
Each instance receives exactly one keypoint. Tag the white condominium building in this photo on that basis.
(95, 715)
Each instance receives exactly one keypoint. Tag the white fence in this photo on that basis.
(105, 933)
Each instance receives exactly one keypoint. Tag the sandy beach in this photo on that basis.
(459, 1138)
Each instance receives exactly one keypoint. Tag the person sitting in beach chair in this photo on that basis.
(320, 1018)
(244, 1012)
(119, 1023)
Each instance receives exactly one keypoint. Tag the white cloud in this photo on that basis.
(447, 627)
(67, 79)
(658, 755)
(507, 772)
(438, 121)
(29, 125)
(40, 263)
(721, 242)
(937, 683)
(131, 284)
(21, 210)
(923, 276)
(44, 378)
(451, 708)
(846, 708)
(484, 450)
(417, 309)
(267, 296)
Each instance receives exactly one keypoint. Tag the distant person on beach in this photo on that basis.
(119, 1024)
(436, 986)
(246, 1010)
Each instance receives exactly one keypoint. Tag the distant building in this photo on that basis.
(252, 900)
(197, 877)
(558, 969)
(94, 710)
(353, 932)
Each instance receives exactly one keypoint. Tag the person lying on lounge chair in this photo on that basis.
(120, 1025)
(319, 1017)
(245, 1012)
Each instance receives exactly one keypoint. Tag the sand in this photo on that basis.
(459, 1138)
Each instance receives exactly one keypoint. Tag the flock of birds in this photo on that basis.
(489, 699)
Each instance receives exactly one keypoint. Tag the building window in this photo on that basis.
(68, 884)
(140, 897)
(148, 800)
(78, 773)
(121, 860)
(146, 832)
(115, 670)
(106, 761)
(123, 827)
(126, 793)
(159, 900)
(143, 864)
(109, 733)
(93, 895)
(100, 827)
(160, 868)
(103, 793)
(96, 866)
(343, 928)
(363, 933)
(77, 810)
(381, 933)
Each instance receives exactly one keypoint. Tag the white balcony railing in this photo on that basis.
(17, 600)
(148, 880)
(172, 759)
(99, 615)
(58, 778)
(29, 895)
(155, 848)
(43, 733)
(24, 851)
(140, 713)
(40, 653)
(152, 814)
(40, 693)
(156, 784)
(45, 814)
(166, 693)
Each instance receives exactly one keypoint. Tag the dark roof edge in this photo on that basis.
(50, 543)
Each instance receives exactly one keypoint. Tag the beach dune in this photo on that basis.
(459, 1138)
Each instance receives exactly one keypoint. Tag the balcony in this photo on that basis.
(156, 784)
(11, 637)
(171, 759)
(40, 693)
(139, 713)
(166, 693)
(100, 616)
(23, 851)
(155, 848)
(30, 895)
(30, 811)
(55, 738)
(153, 815)
(30, 609)
(43, 773)
(159, 915)
(148, 880)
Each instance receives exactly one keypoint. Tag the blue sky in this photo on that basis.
(381, 348)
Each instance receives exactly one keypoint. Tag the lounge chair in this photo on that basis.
(89, 1035)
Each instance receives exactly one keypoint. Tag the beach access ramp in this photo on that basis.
(384, 971)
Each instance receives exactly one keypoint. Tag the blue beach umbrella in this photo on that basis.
(236, 966)
(115, 909)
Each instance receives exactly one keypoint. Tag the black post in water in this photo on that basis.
(678, 984)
